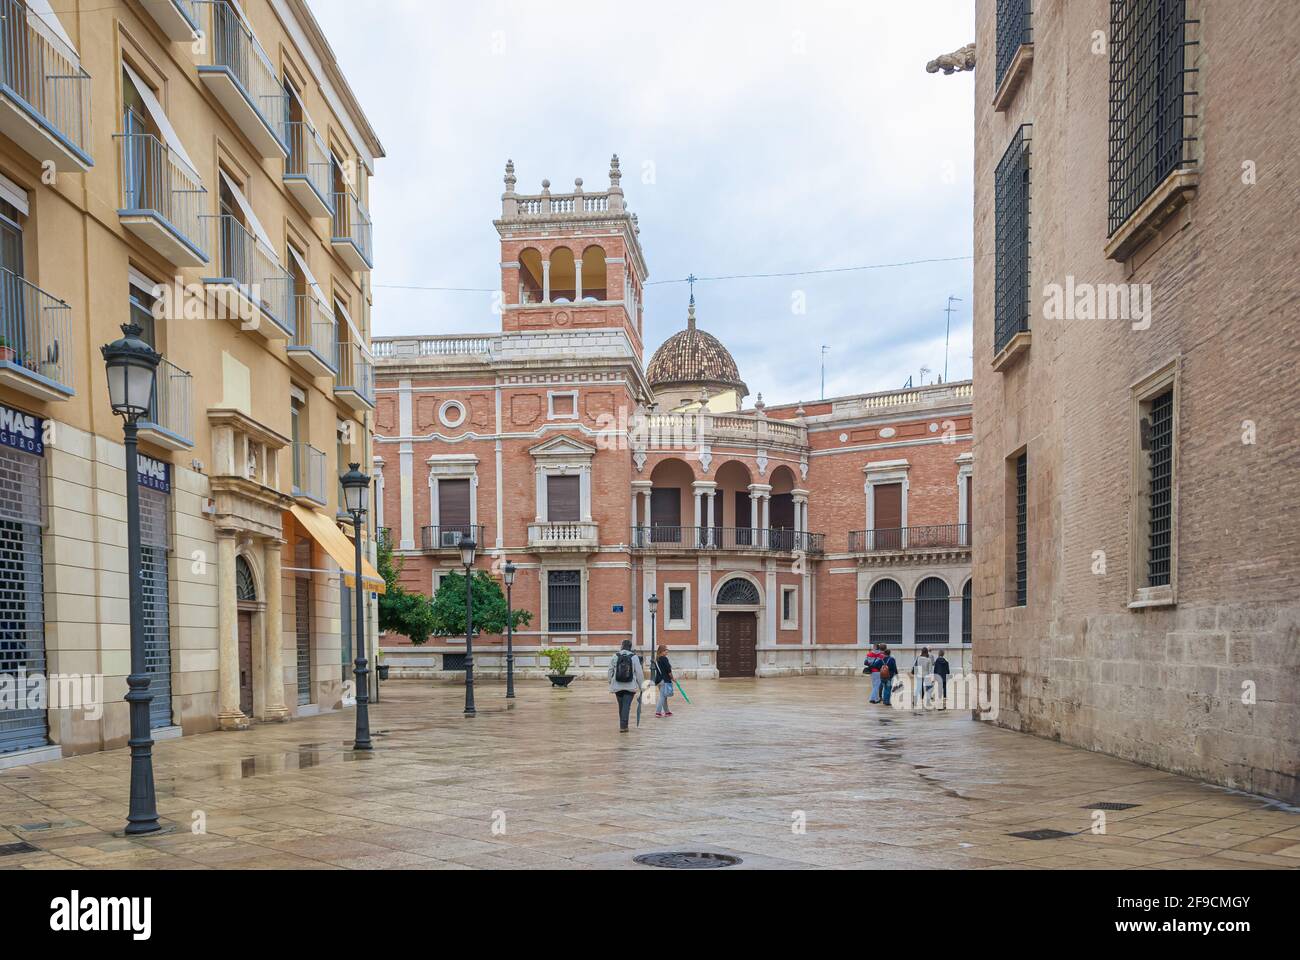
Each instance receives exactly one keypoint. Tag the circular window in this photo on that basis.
(452, 413)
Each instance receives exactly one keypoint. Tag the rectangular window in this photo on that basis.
(564, 601)
(1160, 466)
(886, 516)
(453, 507)
(1011, 242)
(789, 607)
(1022, 530)
(1013, 32)
(563, 498)
(676, 605)
(1148, 100)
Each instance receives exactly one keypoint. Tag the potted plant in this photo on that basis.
(6, 351)
(380, 667)
(560, 660)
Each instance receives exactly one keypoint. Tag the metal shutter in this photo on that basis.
(154, 506)
(453, 505)
(22, 592)
(887, 520)
(562, 499)
(302, 636)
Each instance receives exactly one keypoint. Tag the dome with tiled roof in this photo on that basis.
(693, 357)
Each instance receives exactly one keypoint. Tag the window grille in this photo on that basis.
(1011, 242)
(1014, 29)
(677, 604)
(932, 611)
(564, 606)
(1149, 100)
(965, 613)
(1022, 530)
(886, 611)
(1160, 521)
(154, 540)
(22, 592)
(302, 636)
(738, 592)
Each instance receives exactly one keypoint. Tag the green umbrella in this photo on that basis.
(681, 691)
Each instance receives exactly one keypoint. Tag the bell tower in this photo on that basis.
(570, 261)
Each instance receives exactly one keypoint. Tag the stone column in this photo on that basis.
(584, 487)
(229, 716)
(577, 279)
(275, 709)
(546, 281)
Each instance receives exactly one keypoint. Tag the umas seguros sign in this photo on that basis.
(22, 431)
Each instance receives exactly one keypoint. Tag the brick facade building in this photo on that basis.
(779, 539)
(1136, 450)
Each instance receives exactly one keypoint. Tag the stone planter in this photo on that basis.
(560, 679)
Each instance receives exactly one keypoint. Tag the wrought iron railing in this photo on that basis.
(255, 269)
(933, 536)
(1014, 30)
(314, 330)
(351, 223)
(156, 181)
(228, 44)
(46, 79)
(727, 538)
(356, 371)
(1011, 244)
(309, 469)
(35, 332)
(448, 537)
(169, 408)
(309, 159)
(1148, 100)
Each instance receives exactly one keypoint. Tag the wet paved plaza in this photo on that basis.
(792, 773)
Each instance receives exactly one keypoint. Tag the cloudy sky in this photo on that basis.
(756, 137)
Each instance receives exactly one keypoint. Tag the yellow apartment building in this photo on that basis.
(200, 168)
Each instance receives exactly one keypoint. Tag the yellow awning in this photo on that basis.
(324, 531)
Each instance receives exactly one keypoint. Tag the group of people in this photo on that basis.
(627, 677)
(927, 671)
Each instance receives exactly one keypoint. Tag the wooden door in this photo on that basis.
(246, 662)
(737, 651)
(887, 523)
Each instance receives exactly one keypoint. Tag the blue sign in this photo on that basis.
(22, 431)
(153, 474)
(618, 608)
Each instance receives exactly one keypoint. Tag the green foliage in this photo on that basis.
(560, 659)
(489, 606)
(401, 611)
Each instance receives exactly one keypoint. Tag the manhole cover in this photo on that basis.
(688, 861)
(1108, 805)
(1041, 834)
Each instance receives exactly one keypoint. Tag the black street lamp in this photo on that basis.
(654, 607)
(467, 548)
(509, 577)
(132, 365)
(356, 490)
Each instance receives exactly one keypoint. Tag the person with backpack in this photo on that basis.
(662, 674)
(625, 679)
(941, 671)
(875, 660)
(922, 673)
(888, 671)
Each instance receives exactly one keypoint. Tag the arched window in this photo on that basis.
(594, 277)
(932, 611)
(563, 275)
(965, 613)
(245, 585)
(738, 592)
(886, 612)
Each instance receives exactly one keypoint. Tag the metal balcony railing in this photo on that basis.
(449, 537)
(309, 469)
(35, 332)
(352, 225)
(727, 538)
(356, 372)
(309, 159)
(937, 536)
(169, 409)
(314, 329)
(45, 79)
(229, 44)
(243, 260)
(154, 180)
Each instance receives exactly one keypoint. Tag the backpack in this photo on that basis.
(884, 671)
(623, 669)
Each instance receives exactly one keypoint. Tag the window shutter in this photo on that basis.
(453, 504)
(563, 499)
(888, 506)
(666, 507)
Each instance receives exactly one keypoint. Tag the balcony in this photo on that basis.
(355, 384)
(313, 346)
(941, 538)
(448, 538)
(351, 233)
(178, 18)
(309, 469)
(44, 93)
(307, 169)
(162, 199)
(35, 340)
(237, 71)
(252, 288)
(687, 430)
(564, 536)
(169, 422)
(678, 539)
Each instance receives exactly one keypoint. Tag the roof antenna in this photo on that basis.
(946, 332)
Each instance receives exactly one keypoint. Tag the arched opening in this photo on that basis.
(245, 582)
(931, 611)
(733, 517)
(781, 509)
(737, 629)
(965, 613)
(563, 275)
(530, 276)
(670, 493)
(738, 592)
(886, 612)
(594, 278)
(246, 596)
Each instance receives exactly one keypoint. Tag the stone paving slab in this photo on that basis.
(547, 782)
